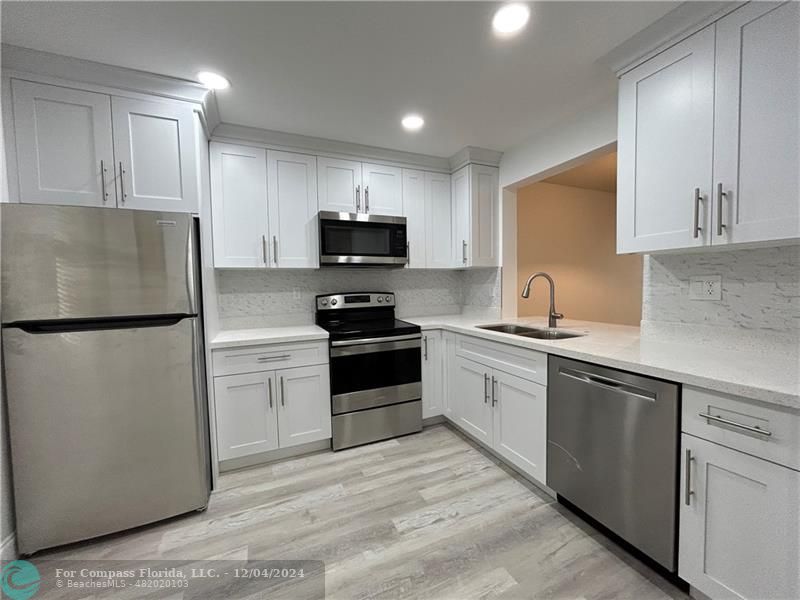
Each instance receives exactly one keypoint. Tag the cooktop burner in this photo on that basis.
(360, 314)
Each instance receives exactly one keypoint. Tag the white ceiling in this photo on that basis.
(349, 70)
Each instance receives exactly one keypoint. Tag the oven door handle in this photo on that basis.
(376, 340)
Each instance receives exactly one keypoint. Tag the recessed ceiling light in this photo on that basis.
(510, 19)
(213, 81)
(413, 122)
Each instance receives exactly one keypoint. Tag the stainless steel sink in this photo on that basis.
(538, 333)
(508, 328)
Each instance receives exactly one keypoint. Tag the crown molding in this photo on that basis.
(46, 64)
(676, 25)
(475, 155)
(227, 132)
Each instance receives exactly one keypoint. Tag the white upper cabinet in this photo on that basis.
(293, 209)
(339, 185)
(239, 205)
(428, 208)
(756, 128)
(155, 154)
(414, 206)
(709, 136)
(64, 145)
(666, 118)
(83, 148)
(476, 216)
(438, 221)
(383, 190)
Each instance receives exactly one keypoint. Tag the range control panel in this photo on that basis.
(355, 300)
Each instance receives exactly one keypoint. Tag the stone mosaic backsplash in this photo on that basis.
(760, 290)
(278, 297)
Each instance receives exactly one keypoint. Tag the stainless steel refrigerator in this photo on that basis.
(104, 370)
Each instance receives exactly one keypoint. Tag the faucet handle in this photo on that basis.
(556, 315)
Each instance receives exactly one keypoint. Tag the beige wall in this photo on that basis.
(570, 233)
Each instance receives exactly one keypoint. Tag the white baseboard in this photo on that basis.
(8, 547)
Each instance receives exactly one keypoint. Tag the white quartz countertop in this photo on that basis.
(769, 377)
(234, 338)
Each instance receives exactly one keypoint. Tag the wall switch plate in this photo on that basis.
(705, 287)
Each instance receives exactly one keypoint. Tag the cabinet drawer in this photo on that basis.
(768, 432)
(229, 361)
(528, 364)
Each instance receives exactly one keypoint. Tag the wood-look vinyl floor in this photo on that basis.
(424, 516)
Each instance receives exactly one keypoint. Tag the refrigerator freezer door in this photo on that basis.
(108, 430)
(65, 262)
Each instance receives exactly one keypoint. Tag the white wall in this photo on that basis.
(562, 146)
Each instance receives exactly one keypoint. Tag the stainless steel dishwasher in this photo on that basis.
(612, 451)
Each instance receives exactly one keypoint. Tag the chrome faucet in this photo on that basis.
(526, 292)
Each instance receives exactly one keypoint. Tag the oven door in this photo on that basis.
(360, 239)
(371, 372)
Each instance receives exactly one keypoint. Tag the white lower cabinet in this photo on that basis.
(449, 399)
(520, 422)
(265, 410)
(505, 412)
(246, 414)
(304, 413)
(432, 374)
(739, 523)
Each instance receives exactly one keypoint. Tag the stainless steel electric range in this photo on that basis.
(376, 369)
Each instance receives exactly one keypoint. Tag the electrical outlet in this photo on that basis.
(705, 287)
(296, 294)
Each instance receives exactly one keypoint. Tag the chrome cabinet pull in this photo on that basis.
(464, 251)
(264, 248)
(269, 384)
(263, 359)
(366, 198)
(494, 390)
(697, 200)
(687, 467)
(720, 195)
(485, 388)
(103, 180)
(425, 345)
(283, 393)
(358, 198)
(275, 250)
(724, 421)
(122, 182)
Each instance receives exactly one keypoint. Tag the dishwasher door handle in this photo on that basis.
(608, 383)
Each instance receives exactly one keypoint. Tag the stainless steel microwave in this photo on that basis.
(357, 239)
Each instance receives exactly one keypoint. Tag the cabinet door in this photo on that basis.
(383, 190)
(431, 374)
(339, 185)
(155, 154)
(247, 422)
(472, 382)
(449, 401)
(438, 221)
(416, 218)
(520, 422)
(293, 209)
(666, 119)
(757, 124)
(304, 414)
(63, 141)
(740, 530)
(239, 205)
(485, 248)
(462, 217)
